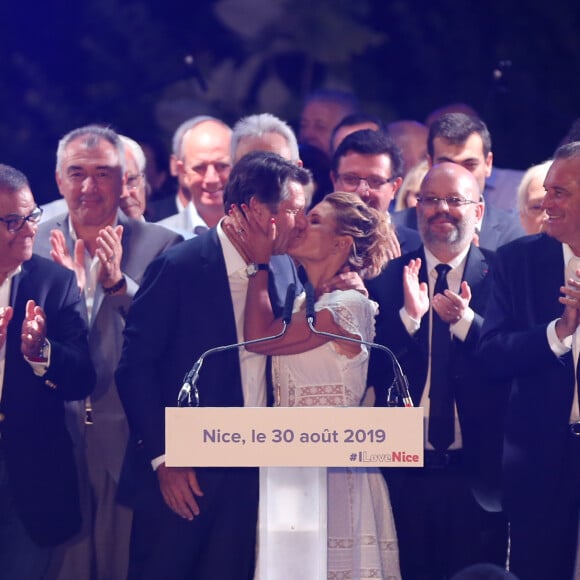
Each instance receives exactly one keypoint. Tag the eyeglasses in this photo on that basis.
(432, 201)
(352, 180)
(14, 222)
(133, 181)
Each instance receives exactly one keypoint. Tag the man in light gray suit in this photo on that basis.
(109, 253)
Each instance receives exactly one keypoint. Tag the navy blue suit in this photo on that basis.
(541, 459)
(183, 308)
(35, 442)
(479, 407)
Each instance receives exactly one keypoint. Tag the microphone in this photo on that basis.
(400, 380)
(189, 388)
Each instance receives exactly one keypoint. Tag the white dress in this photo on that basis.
(362, 542)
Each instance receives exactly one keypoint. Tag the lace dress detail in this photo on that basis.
(362, 541)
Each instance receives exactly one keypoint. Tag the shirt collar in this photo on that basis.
(234, 260)
(11, 275)
(432, 261)
(193, 217)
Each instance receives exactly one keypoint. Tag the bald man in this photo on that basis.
(441, 524)
(201, 162)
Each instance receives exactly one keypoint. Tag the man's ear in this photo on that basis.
(257, 207)
(334, 179)
(396, 184)
(173, 165)
(488, 164)
(58, 182)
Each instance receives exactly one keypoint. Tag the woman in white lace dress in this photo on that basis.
(310, 370)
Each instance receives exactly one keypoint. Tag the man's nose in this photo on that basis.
(89, 182)
(211, 173)
(301, 221)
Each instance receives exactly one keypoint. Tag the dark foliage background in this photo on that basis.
(143, 67)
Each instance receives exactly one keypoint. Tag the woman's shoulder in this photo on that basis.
(346, 297)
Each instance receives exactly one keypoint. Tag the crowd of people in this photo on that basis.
(408, 235)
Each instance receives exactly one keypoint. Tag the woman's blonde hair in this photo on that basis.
(368, 228)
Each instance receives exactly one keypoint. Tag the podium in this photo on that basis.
(292, 523)
(293, 446)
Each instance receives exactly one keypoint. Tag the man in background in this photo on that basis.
(201, 162)
(108, 253)
(431, 306)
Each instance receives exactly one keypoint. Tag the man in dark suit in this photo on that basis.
(370, 164)
(44, 360)
(531, 338)
(459, 138)
(109, 253)
(441, 527)
(192, 299)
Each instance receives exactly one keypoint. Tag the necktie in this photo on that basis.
(441, 419)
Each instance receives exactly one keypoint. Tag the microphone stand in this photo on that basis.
(400, 381)
(189, 388)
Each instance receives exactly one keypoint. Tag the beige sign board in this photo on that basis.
(294, 437)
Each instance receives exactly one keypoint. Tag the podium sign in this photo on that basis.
(294, 437)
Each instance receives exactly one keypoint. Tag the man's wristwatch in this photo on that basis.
(254, 268)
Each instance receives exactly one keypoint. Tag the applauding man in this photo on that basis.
(44, 360)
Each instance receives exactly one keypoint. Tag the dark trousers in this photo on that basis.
(544, 537)
(20, 556)
(219, 543)
(441, 529)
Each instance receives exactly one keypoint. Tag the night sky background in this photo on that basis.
(143, 67)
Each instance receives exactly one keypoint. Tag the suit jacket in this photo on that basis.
(160, 208)
(514, 347)
(183, 308)
(36, 443)
(479, 403)
(141, 242)
(497, 228)
(409, 239)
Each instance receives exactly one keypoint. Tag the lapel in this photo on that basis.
(546, 274)
(216, 286)
(17, 282)
(476, 266)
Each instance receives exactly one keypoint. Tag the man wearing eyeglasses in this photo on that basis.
(431, 303)
(109, 253)
(368, 163)
(133, 201)
(44, 361)
(465, 140)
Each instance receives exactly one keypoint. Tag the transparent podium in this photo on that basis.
(292, 523)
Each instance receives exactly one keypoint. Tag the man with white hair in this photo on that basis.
(134, 197)
(264, 132)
